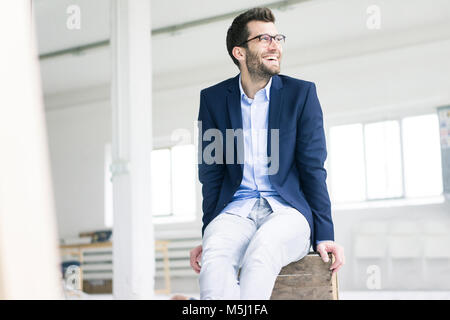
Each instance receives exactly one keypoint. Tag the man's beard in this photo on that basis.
(258, 70)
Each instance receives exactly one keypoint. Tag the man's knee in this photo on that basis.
(217, 249)
(265, 255)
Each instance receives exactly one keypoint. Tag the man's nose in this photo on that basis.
(274, 44)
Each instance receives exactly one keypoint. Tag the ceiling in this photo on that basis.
(308, 24)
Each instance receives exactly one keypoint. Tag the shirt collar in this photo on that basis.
(266, 89)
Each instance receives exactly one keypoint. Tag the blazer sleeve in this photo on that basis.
(210, 175)
(310, 158)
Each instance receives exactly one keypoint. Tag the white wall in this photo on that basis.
(77, 135)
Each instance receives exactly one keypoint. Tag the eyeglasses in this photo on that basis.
(266, 39)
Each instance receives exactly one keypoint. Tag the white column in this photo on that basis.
(29, 259)
(133, 240)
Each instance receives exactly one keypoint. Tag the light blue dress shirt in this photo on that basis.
(255, 181)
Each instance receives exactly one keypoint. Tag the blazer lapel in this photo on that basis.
(275, 106)
(235, 113)
(234, 104)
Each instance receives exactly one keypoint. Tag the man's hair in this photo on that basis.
(238, 31)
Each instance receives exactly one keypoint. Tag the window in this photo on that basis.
(161, 177)
(173, 181)
(421, 149)
(173, 174)
(383, 160)
(347, 163)
(396, 159)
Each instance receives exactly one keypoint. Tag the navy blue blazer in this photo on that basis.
(295, 110)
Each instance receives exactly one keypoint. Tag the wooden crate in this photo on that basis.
(306, 279)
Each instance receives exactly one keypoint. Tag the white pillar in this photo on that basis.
(133, 240)
(29, 259)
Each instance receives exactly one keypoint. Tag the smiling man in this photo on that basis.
(257, 220)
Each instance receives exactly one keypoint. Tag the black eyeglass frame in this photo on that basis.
(264, 34)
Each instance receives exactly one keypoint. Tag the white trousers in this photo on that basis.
(259, 244)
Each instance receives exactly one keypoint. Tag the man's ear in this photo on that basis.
(239, 54)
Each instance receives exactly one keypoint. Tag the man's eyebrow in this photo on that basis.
(258, 34)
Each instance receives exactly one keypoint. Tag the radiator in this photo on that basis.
(179, 259)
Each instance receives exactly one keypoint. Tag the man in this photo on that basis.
(259, 217)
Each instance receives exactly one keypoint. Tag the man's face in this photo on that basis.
(262, 60)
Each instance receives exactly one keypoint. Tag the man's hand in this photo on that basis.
(338, 251)
(196, 257)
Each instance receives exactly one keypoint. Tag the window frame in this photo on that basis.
(171, 218)
(382, 202)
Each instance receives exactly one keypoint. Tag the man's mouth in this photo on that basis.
(271, 58)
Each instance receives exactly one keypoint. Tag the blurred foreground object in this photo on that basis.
(27, 220)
